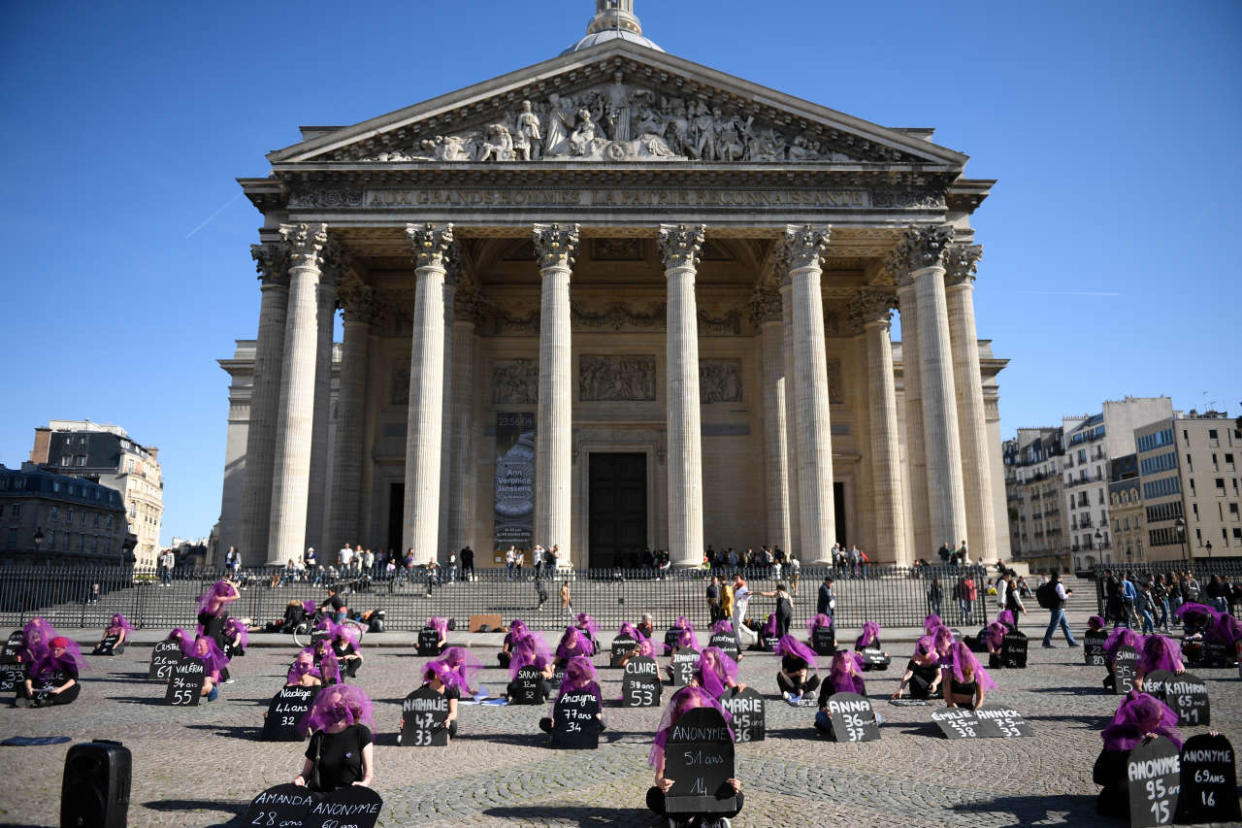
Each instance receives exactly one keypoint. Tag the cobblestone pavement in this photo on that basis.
(200, 766)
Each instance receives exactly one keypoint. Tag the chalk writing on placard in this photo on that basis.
(874, 659)
(1187, 694)
(292, 806)
(725, 642)
(1153, 774)
(684, 662)
(574, 722)
(11, 675)
(1013, 651)
(285, 711)
(1209, 781)
(185, 686)
(12, 646)
(527, 687)
(164, 656)
(671, 636)
(107, 646)
(1153, 682)
(1124, 662)
(640, 684)
(622, 646)
(957, 724)
(824, 641)
(428, 641)
(698, 758)
(853, 720)
(1004, 723)
(747, 709)
(1093, 652)
(423, 716)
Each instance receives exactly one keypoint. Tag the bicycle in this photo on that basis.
(306, 634)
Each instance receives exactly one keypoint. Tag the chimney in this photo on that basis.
(42, 445)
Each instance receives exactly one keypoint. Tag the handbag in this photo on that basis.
(314, 782)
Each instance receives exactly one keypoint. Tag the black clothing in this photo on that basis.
(333, 601)
(958, 688)
(48, 682)
(655, 803)
(1110, 771)
(545, 690)
(645, 629)
(784, 615)
(504, 659)
(823, 606)
(792, 664)
(213, 626)
(797, 685)
(340, 756)
(921, 680)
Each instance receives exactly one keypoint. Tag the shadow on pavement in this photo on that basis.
(1027, 810)
(1072, 691)
(589, 817)
(150, 700)
(244, 732)
(234, 808)
(805, 732)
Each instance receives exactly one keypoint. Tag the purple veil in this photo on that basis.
(440, 625)
(211, 601)
(179, 635)
(684, 700)
(517, 629)
(37, 633)
(963, 658)
(302, 667)
(1121, 637)
(685, 639)
(531, 650)
(870, 633)
(1225, 630)
(628, 629)
(120, 622)
(70, 660)
(724, 625)
(445, 672)
(586, 622)
(234, 628)
(683, 623)
(574, 643)
(996, 634)
(1199, 615)
(309, 607)
(790, 646)
(1137, 715)
(339, 703)
(843, 679)
(816, 621)
(715, 670)
(646, 647)
(1006, 617)
(205, 648)
(769, 626)
(942, 639)
(464, 662)
(1159, 653)
(924, 645)
(931, 622)
(579, 675)
(1095, 623)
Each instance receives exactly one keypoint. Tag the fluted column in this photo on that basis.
(424, 423)
(461, 497)
(680, 246)
(804, 247)
(295, 419)
(272, 263)
(317, 504)
(921, 258)
(870, 311)
(452, 269)
(359, 312)
(791, 418)
(916, 455)
(555, 245)
(766, 314)
(972, 418)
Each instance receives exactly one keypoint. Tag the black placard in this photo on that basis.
(698, 758)
(767, 643)
(185, 685)
(423, 716)
(1153, 682)
(527, 687)
(1209, 781)
(622, 646)
(1124, 662)
(11, 675)
(853, 719)
(874, 659)
(107, 646)
(574, 722)
(726, 642)
(164, 656)
(956, 723)
(12, 646)
(1153, 774)
(558, 675)
(1013, 650)
(285, 711)
(683, 663)
(1093, 652)
(747, 708)
(292, 806)
(824, 641)
(1002, 723)
(1187, 694)
(640, 684)
(428, 641)
(671, 636)
(1217, 654)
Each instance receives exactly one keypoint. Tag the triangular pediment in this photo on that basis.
(618, 103)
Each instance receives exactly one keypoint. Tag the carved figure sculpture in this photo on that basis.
(560, 122)
(528, 138)
(582, 139)
(617, 109)
(497, 145)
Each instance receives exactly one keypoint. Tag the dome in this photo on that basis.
(613, 20)
(596, 38)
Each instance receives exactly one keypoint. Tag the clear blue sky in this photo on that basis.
(1111, 240)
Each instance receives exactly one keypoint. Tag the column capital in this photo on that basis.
(765, 306)
(556, 245)
(271, 262)
(919, 248)
(961, 262)
(358, 301)
(803, 245)
(681, 244)
(306, 243)
(431, 243)
(871, 306)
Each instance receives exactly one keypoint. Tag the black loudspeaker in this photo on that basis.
(95, 790)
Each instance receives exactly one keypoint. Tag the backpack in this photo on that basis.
(1046, 595)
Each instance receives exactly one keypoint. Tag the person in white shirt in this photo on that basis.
(741, 599)
(344, 557)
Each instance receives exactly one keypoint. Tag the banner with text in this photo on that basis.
(514, 511)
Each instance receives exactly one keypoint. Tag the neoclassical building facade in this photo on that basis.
(613, 301)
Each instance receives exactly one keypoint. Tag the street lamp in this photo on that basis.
(1180, 525)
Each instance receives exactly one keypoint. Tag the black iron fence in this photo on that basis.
(892, 596)
(1202, 568)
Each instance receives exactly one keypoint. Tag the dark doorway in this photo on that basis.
(396, 507)
(838, 514)
(618, 509)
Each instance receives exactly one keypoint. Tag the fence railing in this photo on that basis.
(892, 596)
(1202, 568)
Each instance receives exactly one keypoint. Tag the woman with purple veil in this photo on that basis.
(631, 631)
(345, 646)
(965, 681)
(517, 630)
(236, 637)
(1006, 617)
(1196, 618)
(465, 664)
(325, 659)
(579, 678)
(680, 626)
(845, 676)
(442, 678)
(814, 623)
(797, 663)
(1138, 718)
(440, 625)
(931, 622)
(1120, 637)
(531, 651)
(303, 672)
(213, 608)
(685, 640)
(340, 753)
(994, 641)
(1159, 653)
(586, 623)
(922, 674)
(572, 645)
(179, 635)
(870, 636)
(119, 626)
(214, 661)
(682, 702)
(724, 625)
(716, 673)
(52, 678)
(1095, 627)
(36, 635)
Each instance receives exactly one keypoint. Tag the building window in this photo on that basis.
(1160, 462)
(1229, 460)
(1164, 487)
(80, 460)
(1233, 510)
(11, 541)
(17, 510)
(1237, 534)
(65, 459)
(1220, 486)
(1164, 511)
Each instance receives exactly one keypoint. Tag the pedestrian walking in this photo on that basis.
(826, 604)
(1053, 595)
(541, 591)
(567, 603)
(713, 600)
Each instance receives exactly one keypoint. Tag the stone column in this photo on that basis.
(359, 311)
(680, 246)
(765, 308)
(791, 418)
(317, 503)
(972, 417)
(461, 507)
(804, 247)
(424, 424)
(870, 311)
(272, 262)
(921, 258)
(452, 272)
(295, 420)
(916, 456)
(556, 245)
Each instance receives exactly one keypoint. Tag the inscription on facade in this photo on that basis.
(569, 197)
(617, 378)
